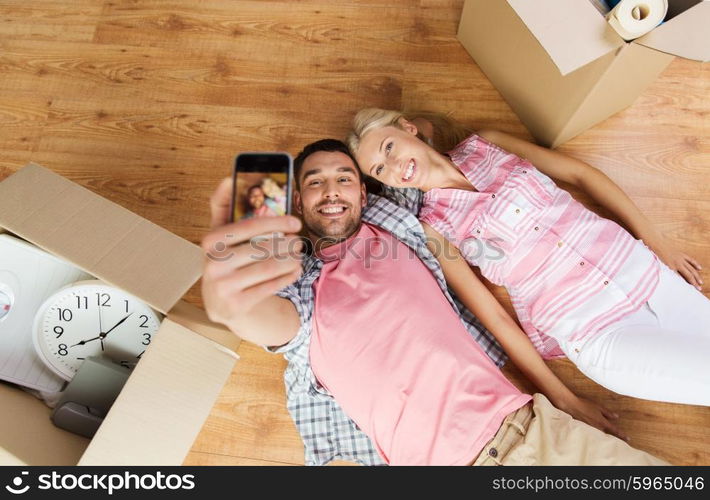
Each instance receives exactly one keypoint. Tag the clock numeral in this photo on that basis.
(65, 314)
(125, 364)
(63, 350)
(102, 299)
(59, 331)
(126, 304)
(145, 321)
(147, 339)
(78, 302)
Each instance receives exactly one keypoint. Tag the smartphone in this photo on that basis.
(261, 185)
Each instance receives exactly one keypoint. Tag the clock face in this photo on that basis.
(92, 319)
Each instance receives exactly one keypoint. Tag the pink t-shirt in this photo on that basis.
(389, 347)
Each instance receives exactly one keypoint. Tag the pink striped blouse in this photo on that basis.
(569, 272)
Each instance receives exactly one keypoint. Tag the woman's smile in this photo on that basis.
(410, 171)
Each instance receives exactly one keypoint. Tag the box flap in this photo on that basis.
(28, 435)
(99, 236)
(572, 32)
(165, 402)
(529, 81)
(686, 35)
(631, 71)
(195, 319)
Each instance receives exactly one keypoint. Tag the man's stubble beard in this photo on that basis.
(323, 234)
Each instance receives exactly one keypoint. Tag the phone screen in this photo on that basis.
(262, 185)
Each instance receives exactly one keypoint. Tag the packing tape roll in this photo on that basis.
(634, 18)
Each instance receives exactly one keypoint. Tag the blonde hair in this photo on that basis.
(447, 131)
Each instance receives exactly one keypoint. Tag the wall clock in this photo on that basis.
(91, 318)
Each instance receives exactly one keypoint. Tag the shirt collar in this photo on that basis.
(382, 213)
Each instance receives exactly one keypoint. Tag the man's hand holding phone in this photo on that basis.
(242, 272)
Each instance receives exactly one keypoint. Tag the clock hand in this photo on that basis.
(82, 342)
(101, 328)
(103, 335)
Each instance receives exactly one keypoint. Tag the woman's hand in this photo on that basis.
(683, 264)
(594, 415)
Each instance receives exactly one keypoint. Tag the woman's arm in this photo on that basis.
(605, 192)
(481, 302)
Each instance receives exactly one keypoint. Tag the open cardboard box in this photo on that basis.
(562, 68)
(170, 393)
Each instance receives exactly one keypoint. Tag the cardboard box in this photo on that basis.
(170, 393)
(562, 68)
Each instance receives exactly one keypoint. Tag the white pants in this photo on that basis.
(661, 352)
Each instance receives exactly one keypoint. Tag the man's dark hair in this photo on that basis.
(332, 146)
(327, 145)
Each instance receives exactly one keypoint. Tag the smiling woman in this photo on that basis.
(436, 130)
(581, 285)
(395, 156)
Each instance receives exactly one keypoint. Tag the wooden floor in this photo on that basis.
(146, 102)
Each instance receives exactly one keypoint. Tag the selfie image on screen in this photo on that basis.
(260, 194)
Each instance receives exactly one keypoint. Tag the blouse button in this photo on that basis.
(537, 228)
(606, 282)
(525, 171)
(517, 210)
(581, 263)
(559, 244)
(478, 231)
(493, 196)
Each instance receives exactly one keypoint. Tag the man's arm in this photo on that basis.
(241, 276)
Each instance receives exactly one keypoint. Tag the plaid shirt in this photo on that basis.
(327, 432)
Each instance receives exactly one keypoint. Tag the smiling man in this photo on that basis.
(329, 195)
(384, 366)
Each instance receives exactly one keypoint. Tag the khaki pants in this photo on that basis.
(540, 434)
